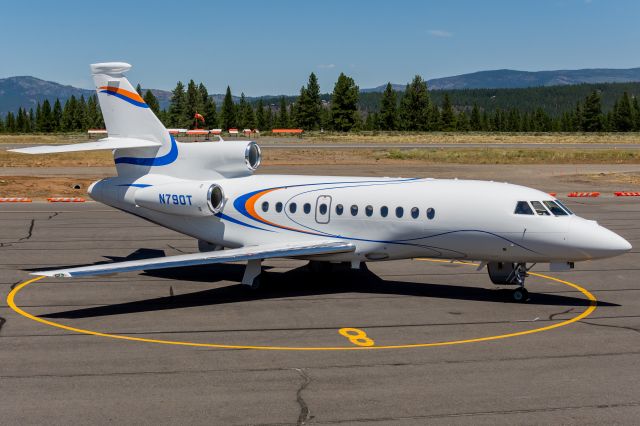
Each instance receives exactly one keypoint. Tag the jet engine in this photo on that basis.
(184, 198)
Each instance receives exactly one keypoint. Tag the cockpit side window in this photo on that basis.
(558, 202)
(523, 208)
(555, 209)
(539, 208)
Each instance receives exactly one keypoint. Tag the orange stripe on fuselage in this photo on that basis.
(250, 205)
(123, 92)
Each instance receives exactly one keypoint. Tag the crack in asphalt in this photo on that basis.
(552, 316)
(304, 416)
(3, 321)
(32, 224)
(624, 327)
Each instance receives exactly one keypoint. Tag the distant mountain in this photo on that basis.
(512, 79)
(26, 92)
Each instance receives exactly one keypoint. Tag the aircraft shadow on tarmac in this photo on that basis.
(302, 282)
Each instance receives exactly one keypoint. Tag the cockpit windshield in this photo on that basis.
(558, 202)
(539, 208)
(555, 209)
(523, 208)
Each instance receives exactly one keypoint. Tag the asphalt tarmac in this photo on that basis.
(585, 372)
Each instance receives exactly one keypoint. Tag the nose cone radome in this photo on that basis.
(594, 241)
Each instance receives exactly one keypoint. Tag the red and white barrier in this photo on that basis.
(583, 194)
(66, 200)
(626, 194)
(15, 200)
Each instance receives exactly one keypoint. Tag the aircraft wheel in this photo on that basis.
(520, 295)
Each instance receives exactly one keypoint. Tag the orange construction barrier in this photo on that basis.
(583, 194)
(66, 200)
(627, 194)
(15, 200)
(294, 131)
(553, 194)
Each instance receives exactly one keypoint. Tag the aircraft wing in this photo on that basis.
(266, 251)
(106, 143)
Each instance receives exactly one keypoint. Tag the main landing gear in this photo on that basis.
(251, 277)
(502, 273)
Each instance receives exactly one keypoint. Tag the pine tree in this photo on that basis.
(139, 89)
(80, 117)
(313, 103)
(68, 113)
(577, 118)
(344, 104)
(623, 116)
(448, 115)
(388, 118)
(415, 105)
(268, 119)
(178, 107)
(194, 103)
(56, 116)
(228, 112)
(151, 100)
(10, 123)
(46, 119)
(38, 121)
(475, 123)
(209, 111)
(462, 122)
(636, 115)
(261, 118)
(435, 119)
(299, 111)
(2, 129)
(283, 115)
(592, 114)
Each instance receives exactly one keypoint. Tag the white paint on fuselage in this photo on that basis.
(473, 219)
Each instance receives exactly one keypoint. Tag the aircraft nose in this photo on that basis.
(594, 241)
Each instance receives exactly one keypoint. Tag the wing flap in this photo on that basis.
(266, 251)
(106, 143)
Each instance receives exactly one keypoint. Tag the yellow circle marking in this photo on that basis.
(584, 314)
(356, 336)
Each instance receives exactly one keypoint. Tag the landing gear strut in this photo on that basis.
(520, 294)
(251, 275)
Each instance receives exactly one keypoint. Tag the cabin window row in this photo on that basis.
(353, 210)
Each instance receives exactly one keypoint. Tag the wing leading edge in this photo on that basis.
(266, 251)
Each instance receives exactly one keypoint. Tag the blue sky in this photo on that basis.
(270, 47)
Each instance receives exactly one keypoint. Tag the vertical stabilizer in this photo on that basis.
(126, 115)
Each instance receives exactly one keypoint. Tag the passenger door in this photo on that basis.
(323, 209)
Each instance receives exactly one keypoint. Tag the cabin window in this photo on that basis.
(306, 208)
(522, 207)
(431, 213)
(323, 209)
(278, 206)
(415, 212)
(339, 209)
(539, 208)
(354, 210)
(558, 202)
(384, 211)
(265, 206)
(368, 211)
(555, 209)
(293, 207)
(399, 212)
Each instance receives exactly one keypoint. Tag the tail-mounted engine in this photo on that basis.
(184, 198)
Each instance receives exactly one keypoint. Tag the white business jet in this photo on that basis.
(208, 191)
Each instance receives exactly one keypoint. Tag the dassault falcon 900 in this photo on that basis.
(208, 191)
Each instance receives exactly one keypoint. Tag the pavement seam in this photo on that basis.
(623, 327)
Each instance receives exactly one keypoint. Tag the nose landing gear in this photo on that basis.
(510, 274)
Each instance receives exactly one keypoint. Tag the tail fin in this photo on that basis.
(126, 115)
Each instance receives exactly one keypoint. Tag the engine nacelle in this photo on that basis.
(502, 273)
(184, 198)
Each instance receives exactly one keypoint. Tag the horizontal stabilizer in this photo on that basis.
(266, 251)
(107, 143)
